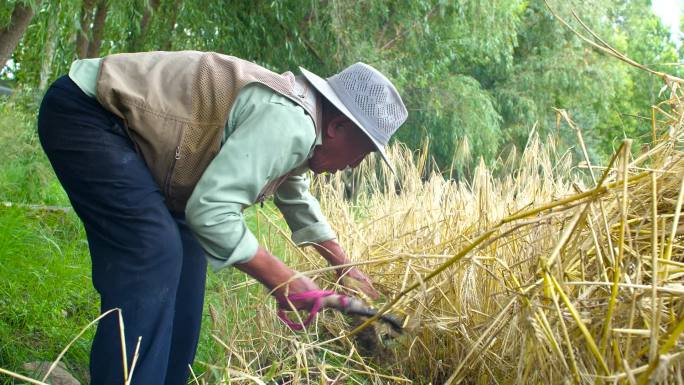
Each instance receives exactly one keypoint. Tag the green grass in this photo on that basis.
(45, 296)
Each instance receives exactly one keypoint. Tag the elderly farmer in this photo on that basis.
(160, 152)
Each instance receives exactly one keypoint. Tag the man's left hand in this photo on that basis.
(354, 279)
(350, 277)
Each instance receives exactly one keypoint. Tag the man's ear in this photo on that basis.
(334, 125)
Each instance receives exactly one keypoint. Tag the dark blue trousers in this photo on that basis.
(144, 260)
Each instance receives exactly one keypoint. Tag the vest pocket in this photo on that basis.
(156, 140)
(172, 158)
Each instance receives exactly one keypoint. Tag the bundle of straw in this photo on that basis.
(529, 278)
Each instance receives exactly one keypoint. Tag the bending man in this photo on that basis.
(160, 153)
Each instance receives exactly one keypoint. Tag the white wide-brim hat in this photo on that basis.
(368, 99)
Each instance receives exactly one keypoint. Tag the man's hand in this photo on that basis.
(350, 277)
(354, 279)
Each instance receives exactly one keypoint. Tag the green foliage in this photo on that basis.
(549, 72)
(487, 71)
(643, 37)
(29, 56)
(474, 117)
(25, 172)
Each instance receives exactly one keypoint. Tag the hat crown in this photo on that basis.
(372, 99)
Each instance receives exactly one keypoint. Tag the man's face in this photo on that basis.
(344, 145)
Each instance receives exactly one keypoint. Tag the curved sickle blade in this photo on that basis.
(354, 306)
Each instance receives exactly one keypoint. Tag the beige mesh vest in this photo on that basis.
(176, 104)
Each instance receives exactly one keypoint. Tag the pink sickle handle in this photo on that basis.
(343, 303)
(318, 296)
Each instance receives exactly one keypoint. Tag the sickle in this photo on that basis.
(345, 304)
(354, 306)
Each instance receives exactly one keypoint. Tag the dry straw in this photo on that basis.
(527, 278)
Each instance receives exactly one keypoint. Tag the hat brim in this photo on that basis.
(324, 88)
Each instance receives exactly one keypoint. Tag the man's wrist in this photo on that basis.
(332, 252)
(267, 269)
(335, 259)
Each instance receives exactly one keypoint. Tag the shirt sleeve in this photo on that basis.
(270, 137)
(84, 73)
(302, 211)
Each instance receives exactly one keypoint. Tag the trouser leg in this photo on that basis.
(189, 303)
(135, 244)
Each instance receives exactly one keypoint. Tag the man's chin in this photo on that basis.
(318, 172)
(316, 169)
(319, 168)
(322, 170)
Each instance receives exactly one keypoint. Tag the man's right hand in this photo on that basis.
(297, 286)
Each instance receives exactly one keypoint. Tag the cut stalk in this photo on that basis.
(655, 301)
(617, 265)
(583, 328)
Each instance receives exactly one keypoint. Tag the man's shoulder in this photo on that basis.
(260, 93)
(269, 103)
(274, 116)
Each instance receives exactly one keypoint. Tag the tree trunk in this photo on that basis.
(11, 35)
(50, 47)
(138, 40)
(83, 38)
(173, 18)
(98, 29)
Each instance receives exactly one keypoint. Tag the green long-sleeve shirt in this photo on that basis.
(266, 136)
